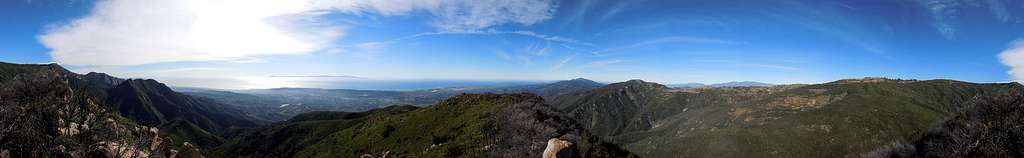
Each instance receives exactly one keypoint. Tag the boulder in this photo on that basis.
(558, 148)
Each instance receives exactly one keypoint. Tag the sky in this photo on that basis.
(321, 43)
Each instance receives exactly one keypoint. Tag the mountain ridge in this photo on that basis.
(47, 111)
(145, 102)
(721, 85)
(650, 120)
(164, 105)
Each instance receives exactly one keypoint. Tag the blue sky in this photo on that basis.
(244, 44)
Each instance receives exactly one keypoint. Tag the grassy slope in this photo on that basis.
(184, 131)
(450, 128)
(868, 115)
(287, 138)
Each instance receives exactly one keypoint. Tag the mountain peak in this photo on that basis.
(103, 80)
(636, 83)
(142, 86)
(641, 82)
(96, 74)
(581, 79)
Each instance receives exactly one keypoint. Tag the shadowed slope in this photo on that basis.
(152, 103)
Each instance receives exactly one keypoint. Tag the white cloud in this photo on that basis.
(1014, 58)
(562, 41)
(131, 32)
(459, 15)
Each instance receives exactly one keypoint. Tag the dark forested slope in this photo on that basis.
(989, 126)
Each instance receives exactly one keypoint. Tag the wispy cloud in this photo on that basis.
(999, 10)
(603, 63)
(371, 45)
(459, 15)
(946, 13)
(557, 39)
(538, 50)
(563, 41)
(831, 23)
(943, 12)
(665, 40)
(615, 10)
(518, 58)
(576, 15)
(562, 63)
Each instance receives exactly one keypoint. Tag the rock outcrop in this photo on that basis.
(43, 114)
(558, 148)
(525, 128)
